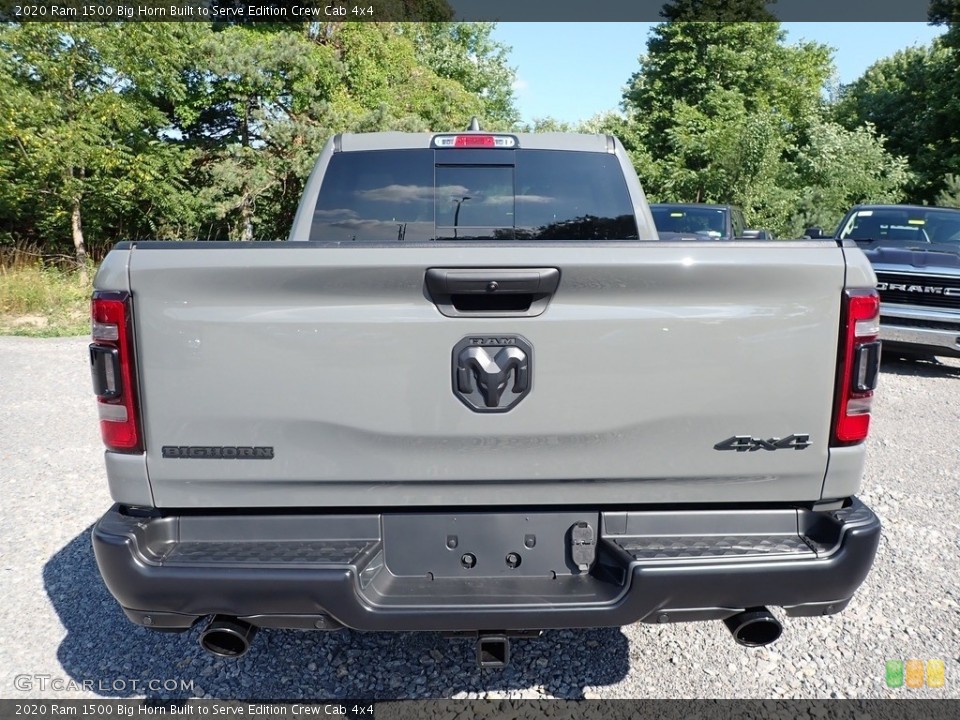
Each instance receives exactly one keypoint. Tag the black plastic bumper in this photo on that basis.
(396, 571)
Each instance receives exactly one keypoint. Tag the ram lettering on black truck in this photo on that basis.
(475, 392)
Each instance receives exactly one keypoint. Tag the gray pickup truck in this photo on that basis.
(915, 251)
(475, 393)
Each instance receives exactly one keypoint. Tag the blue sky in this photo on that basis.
(572, 71)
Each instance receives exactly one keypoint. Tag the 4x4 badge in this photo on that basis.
(492, 373)
(747, 443)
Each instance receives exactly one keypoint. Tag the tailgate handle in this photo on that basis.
(492, 292)
(462, 282)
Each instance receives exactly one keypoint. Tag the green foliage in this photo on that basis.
(718, 10)
(76, 128)
(944, 11)
(548, 124)
(839, 168)
(415, 10)
(688, 61)
(467, 54)
(38, 299)
(913, 99)
(950, 195)
(726, 112)
(195, 130)
(947, 12)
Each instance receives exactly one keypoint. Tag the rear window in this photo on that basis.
(381, 196)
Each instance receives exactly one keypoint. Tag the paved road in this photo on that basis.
(60, 622)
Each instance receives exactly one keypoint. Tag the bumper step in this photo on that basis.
(714, 546)
(407, 572)
(296, 552)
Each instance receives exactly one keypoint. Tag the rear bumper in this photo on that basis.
(394, 572)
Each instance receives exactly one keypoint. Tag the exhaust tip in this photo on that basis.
(227, 637)
(754, 627)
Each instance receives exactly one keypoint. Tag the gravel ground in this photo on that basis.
(61, 623)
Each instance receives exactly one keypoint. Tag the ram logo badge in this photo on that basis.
(492, 373)
(747, 443)
(492, 341)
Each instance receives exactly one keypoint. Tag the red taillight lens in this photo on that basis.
(111, 364)
(475, 141)
(859, 366)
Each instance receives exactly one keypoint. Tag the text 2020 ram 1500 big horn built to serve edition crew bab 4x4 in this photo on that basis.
(474, 392)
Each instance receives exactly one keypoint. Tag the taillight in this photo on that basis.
(859, 366)
(111, 364)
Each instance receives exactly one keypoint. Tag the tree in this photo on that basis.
(950, 195)
(209, 130)
(263, 100)
(947, 12)
(548, 124)
(839, 168)
(718, 11)
(726, 112)
(913, 99)
(716, 109)
(467, 54)
(686, 62)
(249, 85)
(79, 136)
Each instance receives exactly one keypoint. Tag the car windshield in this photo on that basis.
(706, 221)
(902, 227)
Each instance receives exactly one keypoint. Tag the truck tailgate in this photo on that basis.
(647, 358)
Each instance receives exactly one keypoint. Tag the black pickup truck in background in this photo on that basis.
(698, 221)
(915, 252)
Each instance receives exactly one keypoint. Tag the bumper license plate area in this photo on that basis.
(481, 544)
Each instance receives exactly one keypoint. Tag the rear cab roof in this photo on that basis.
(352, 142)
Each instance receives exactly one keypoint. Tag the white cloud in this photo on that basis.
(397, 193)
(337, 213)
